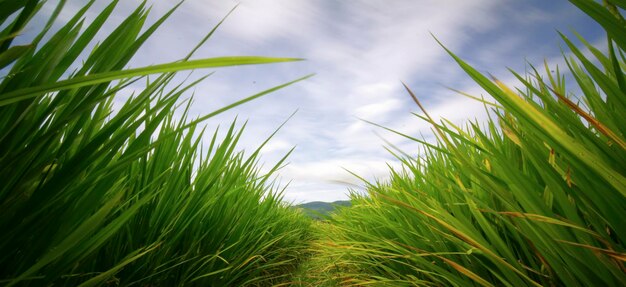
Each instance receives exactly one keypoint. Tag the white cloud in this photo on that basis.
(376, 110)
(331, 177)
(276, 146)
(361, 51)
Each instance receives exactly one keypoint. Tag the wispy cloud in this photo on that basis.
(361, 51)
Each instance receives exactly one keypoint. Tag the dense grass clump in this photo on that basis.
(95, 196)
(535, 197)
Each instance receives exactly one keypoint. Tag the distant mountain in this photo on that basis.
(318, 209)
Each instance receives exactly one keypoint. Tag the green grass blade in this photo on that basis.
(77, 82)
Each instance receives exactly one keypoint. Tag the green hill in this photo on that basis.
(318, 209)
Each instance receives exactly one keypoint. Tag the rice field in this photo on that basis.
(133, 196)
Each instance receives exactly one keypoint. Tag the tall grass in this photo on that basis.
(94, 196)
(534, 197)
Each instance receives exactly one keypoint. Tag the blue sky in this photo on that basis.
(360, 50)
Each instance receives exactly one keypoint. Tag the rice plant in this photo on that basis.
(93, 196)
(534, 197)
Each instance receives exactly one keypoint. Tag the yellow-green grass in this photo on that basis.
(534, 197)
